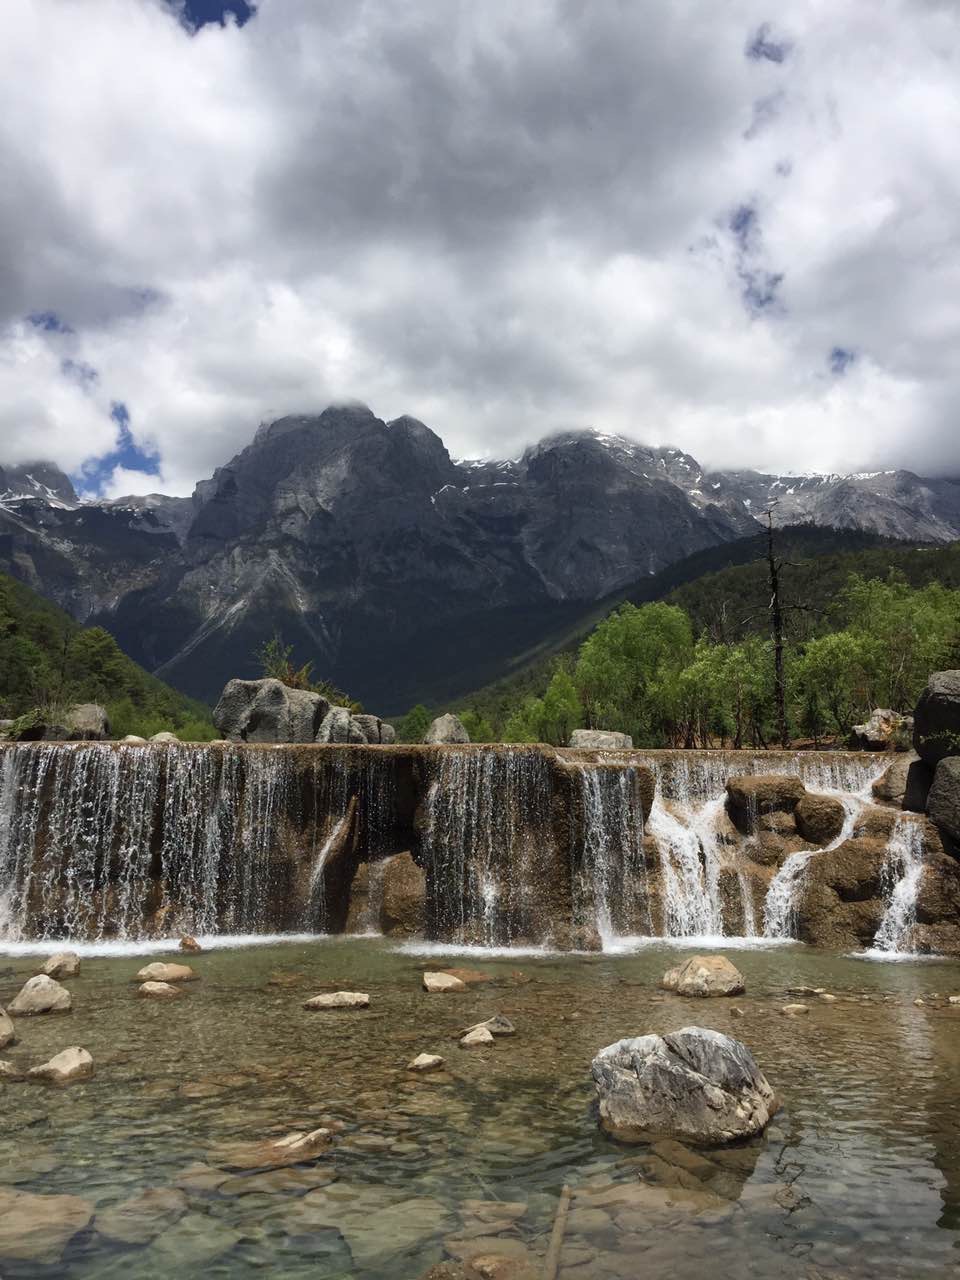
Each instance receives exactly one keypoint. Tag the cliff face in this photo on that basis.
(403, 574)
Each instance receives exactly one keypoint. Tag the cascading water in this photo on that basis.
(608, 868)
(902, 873)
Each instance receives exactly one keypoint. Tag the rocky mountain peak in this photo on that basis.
(43, 480)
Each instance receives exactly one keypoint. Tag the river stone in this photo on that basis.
(426, 1062)
(190, 945)
(8, 1071)
(141, 1218)
(446, 728)
(943, 803)
(795, 1010)
(694, 1085)
(751, 796)
(498, 1025)
(600, 740)
(8, 1034)
(65, 1067)
(40, 995)
(273, 1153)
(339, 1000)
(158, 991)
(475, 1038)
(193, 1242)
(820, 818)
(38, 1228)
(65, 964)
(704, 976)
(936, 720)
(268, 711)
(160, 972)
(442, 982)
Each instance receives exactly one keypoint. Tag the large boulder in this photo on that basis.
(268, 711)
(40, 995)
(704, 976)
(403, 904)
(375, 730)
(885, 730)
(936, 720)
(340, 725)
(754, 795)
(446, 728)
(88, 722)
(600, 740)
(820, 818)
(694, 1085)
(906, 783)
(943, 802)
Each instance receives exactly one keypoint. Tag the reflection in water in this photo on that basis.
(851, 1180)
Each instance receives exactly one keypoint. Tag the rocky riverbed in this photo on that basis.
(171, 1157)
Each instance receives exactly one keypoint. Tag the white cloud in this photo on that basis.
(503, 219)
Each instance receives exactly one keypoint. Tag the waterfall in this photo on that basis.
(608, 868)
(902, 873)
(486, 821)
(688, 870)
(783, 897)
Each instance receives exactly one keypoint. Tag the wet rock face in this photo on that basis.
(704, 976)
(751, 797)
(695, 1085)
(943, 802)
(936, 720)
(819, 818)
(268, 711)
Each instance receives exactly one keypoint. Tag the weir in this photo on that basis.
(485, 845)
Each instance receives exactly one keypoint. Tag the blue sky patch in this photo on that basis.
(127, 453)
(762, 47)
(198, 13)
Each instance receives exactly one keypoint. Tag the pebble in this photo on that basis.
(442, 982)
(339, 1000)
(793, 1010)
(426, 1062)
(478, 1036)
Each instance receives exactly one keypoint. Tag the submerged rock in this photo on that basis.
(65, 964)
(38, 1228)
(441, 982)
(600, 740)
(695, 1085)
(704, 976)
(936, 720)
(40, 995)
(65, 1068)
(160, 972)
(8, 1034)
(498, 1025)
(339, 1000)
(158, 991)
(446, 728)
(141, 1218)
(268, 711)
(295, 1148)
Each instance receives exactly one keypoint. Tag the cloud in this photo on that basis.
(666, 220)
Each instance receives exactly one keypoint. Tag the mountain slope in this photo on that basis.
(403, 574)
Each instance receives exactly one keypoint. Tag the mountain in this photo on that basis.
(405, 575)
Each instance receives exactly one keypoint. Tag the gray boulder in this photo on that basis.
(375, 730)
(88, 722)
(695, 1085)
(446, 728)
(906, 783)
(936, 720)
(268, 711)
(40, 995)
(943, 802)
(882, 731)
(600, 740)
(339, 725)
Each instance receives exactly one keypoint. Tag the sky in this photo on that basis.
(730, 227)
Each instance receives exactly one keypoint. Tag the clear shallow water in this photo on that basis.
(859, 1176)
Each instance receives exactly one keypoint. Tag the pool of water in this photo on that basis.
(858, 1176)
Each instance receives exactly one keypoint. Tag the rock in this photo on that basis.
(943, 803)
(426, 1062)
(38, 1228)
(600, 740)
(141, 1218)
(134, 739)
(446, 728)
(268, 711)
(885, 730)
(375, 730)
(8, 1071)
(40, 995)
(826, 997)
(8, 1034)
(795, 1010)
(190, 945)
(936, 720)
(339, 1000)
(694, 1085)
(65, 1068)
(158, 991)
(820, 818)
(339, 725)
(190, 1245)
(437, 982)
(88, 722)
(65, 964)
(498, 1025)
(953, 999)
(404, 897)
(704, 976)
(164, 736)
(277, 1153)
(477, 1037)
(158, 971)
(751, 796)
(905, 783)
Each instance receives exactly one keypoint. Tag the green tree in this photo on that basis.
(414, 724)
(478, 728)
